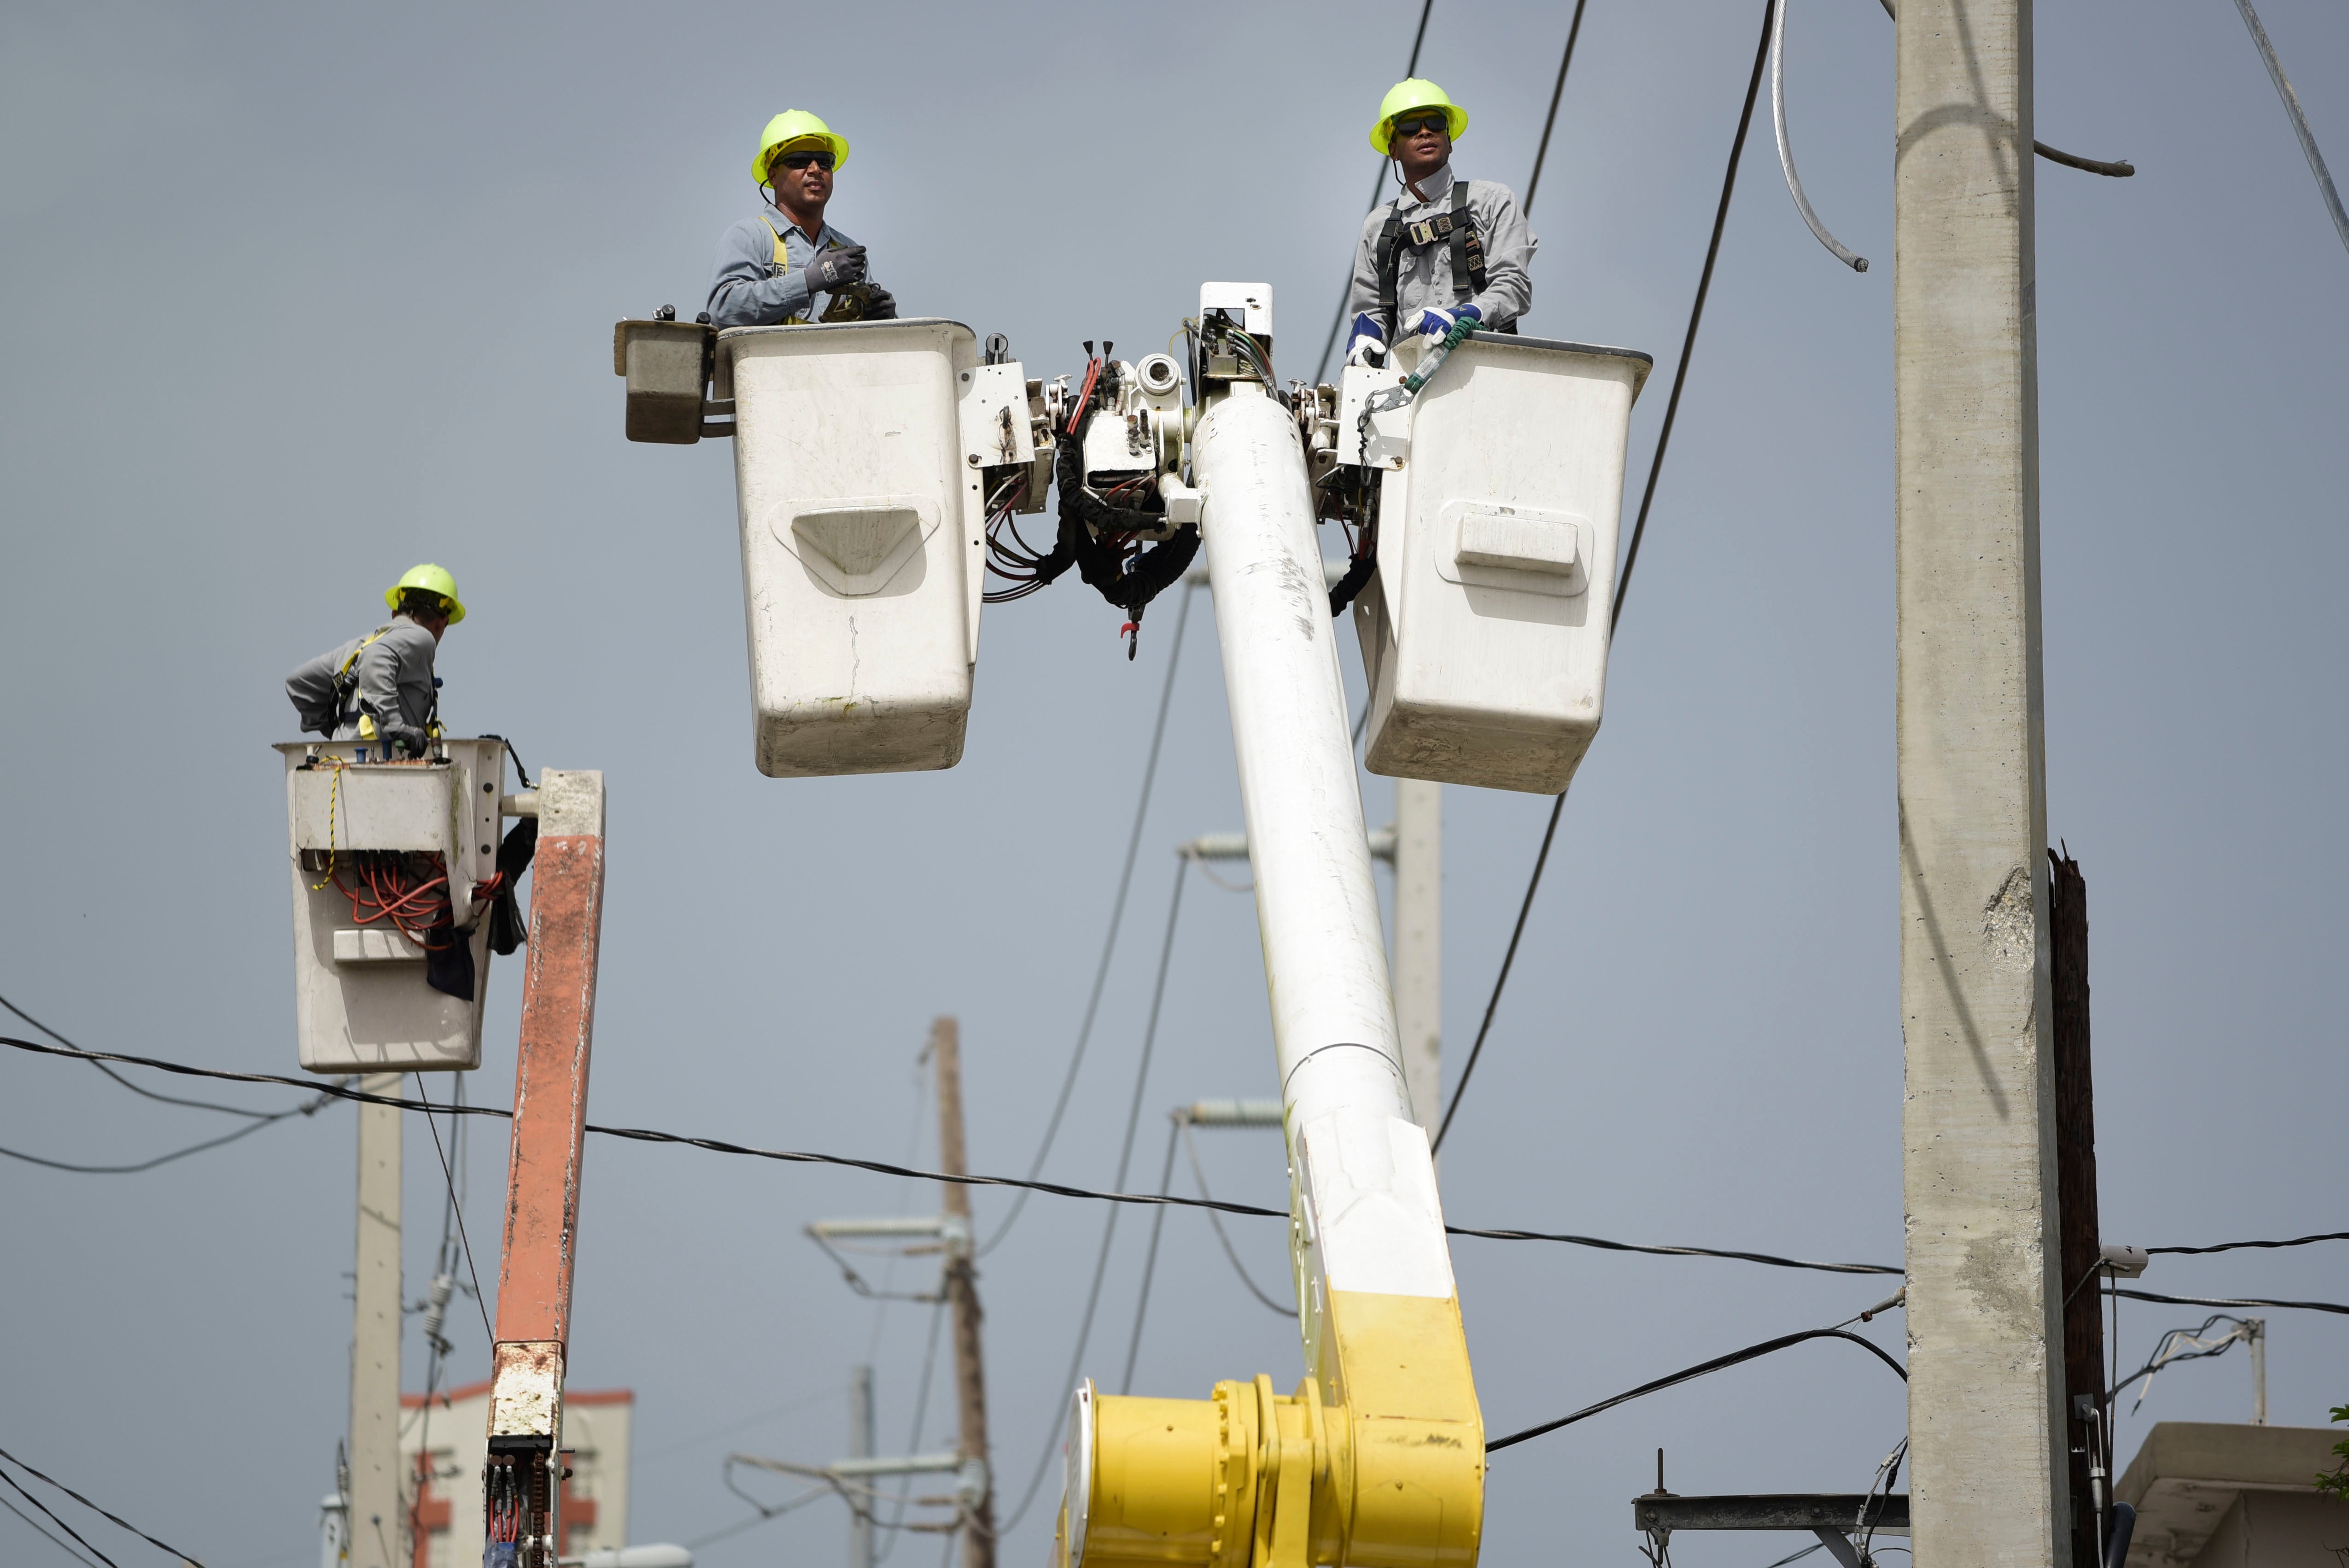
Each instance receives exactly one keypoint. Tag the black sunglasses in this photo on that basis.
(1423, 122)
(802, 160)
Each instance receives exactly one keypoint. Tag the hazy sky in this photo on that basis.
(302, 295)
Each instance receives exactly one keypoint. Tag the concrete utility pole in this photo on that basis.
(860, 1447)
(375, 1514)
(1419, 944)
(962, 1292)
(1986, 1422)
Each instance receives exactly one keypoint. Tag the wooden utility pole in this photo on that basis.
(1987, 1426)
(962, 1294)
(2075, 1193)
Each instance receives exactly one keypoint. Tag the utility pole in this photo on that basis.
(860, 1447)
(962, 1294)
(374, 1515)
(1986, 1419)
(1419, 944)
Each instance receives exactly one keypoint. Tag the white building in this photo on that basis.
(444, 1501)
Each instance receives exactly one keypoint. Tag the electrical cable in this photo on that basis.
(1840, 251)
(44, 1534)
(2174, 1346)
(1109, 1225)
(1150, 1258)
(1060, 1190)
(1718, 1363)
(2299, 121)
(2231, 1246)
(187, 1558)
(1378, 189)
(134, 1088)
(2232, 1302)
(479, 1299)
(249, 1127)
(1646, 500)
(1573, 32)
(1109, 939)
(1199, 1175)
(1509, 960)
(61, 1524)
(2119, 169)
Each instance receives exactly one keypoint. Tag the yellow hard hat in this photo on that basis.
(432, 579)
(1415, 93)
(794, 125)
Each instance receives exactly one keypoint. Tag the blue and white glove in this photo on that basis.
(1366, 345)
(1434, 323)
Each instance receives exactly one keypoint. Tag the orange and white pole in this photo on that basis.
(522, 1481)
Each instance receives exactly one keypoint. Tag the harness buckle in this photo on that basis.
(1427, 230)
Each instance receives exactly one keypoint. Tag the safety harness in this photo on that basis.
(848, 305)
(346, 691)
(1458, 227)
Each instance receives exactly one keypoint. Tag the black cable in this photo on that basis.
(2232, 1246)
(1109, 1226)
(161, 1158)
(1060, 1190)
(2231, 1300)
(1646, 500)
(187, 1558)
(1572, 32)
(1109, 941)
(15, 1486)
(1231, 1253)
(1150, 1258)
(1378, 188)
(480, 1300)
(1508, 959)
(1718, 1363)
(44, 1534)
(134, 1088)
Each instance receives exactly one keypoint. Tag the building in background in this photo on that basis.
(441, 1446)
(2210, 1495)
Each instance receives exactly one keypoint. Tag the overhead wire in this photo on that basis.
(137, 1088)
(1150, 1256)
(1199, 1175)
(1702, 1368)
(1109, 938)
(456, 1208)
(1841, 251)
(2299, 121)
(1378, 189)
(1573, 33)
(1061, 1189)
(1647, 501)
(114, 1519)
(2235, 1246)
(18, 1489)
(44, 1534)
(1124, 1158)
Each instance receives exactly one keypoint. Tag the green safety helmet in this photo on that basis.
(1415, 93)
(794, 125)
(432, 579)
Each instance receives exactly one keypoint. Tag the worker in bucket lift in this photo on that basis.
(1446, 248)
(381, 686)
(773, 264)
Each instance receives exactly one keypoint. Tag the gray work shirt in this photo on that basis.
(1424, 274)
(749, 289)
(395, 686)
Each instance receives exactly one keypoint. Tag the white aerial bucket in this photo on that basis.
(860, 452)
(361, 1000)
(1485, 630)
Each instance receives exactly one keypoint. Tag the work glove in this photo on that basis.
(880, 305)
(1434, 323)
(404, 740)
(836, 268)
(1366, 345)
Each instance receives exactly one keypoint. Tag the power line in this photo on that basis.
(1124, 1157)
(185, 1557)
(44, 1534)
(1378, 188)
(1199, 1175)
(1718, 1363)
(2299, 121)
(1116, 916)
(15, 1486)
(246, 1130)
(457, 1209)
(1573, 33)
(2231, 1300)
(1508, 959)
(134, 1088)
(1647, 501)
(1060, 1190)
(2232, 1246)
